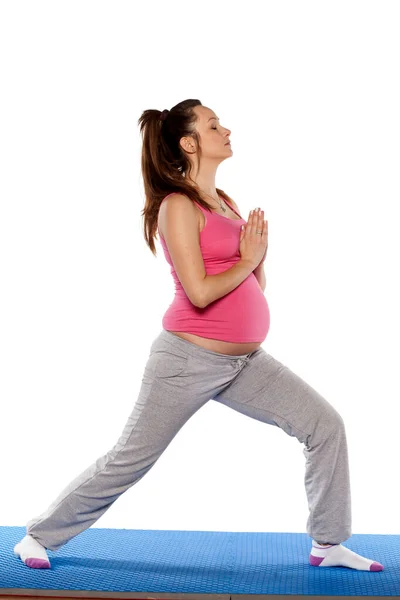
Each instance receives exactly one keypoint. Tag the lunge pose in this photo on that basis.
(209, 347)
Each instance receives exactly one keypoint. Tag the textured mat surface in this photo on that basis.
(202, 562)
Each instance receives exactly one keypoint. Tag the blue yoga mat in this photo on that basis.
(198, 562)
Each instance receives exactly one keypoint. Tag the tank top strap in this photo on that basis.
(228, 203)
(204, 209)
(231, 207)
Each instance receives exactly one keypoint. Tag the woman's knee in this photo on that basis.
(329, 423)
(335, 424)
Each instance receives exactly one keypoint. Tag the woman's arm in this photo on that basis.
(260, 276)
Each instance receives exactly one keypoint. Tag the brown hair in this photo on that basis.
(163, 161)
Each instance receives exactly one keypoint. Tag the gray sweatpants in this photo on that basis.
(179, 378)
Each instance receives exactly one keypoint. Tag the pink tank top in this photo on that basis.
(240, 316)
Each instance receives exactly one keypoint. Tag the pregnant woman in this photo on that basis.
(209, 347)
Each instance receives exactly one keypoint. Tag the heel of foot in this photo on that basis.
(315, 561)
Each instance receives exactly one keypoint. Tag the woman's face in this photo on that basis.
(213, 137)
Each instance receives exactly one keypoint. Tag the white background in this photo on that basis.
(310, 91)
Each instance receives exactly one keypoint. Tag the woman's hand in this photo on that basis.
(264, 257)
(255, 222)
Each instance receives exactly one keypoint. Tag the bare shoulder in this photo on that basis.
(171, 204)
(179, 226)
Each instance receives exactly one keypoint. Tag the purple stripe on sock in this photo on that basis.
(37, 563)
(315, 561)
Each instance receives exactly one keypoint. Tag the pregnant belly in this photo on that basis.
(235, 324)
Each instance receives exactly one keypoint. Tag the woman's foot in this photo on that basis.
(336, 555)
(32, 553)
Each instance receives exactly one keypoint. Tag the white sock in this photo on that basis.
(32, 553)
(339, 556)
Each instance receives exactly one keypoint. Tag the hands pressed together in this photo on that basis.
(253, 246)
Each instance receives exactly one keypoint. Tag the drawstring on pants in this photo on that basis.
(241, 361)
